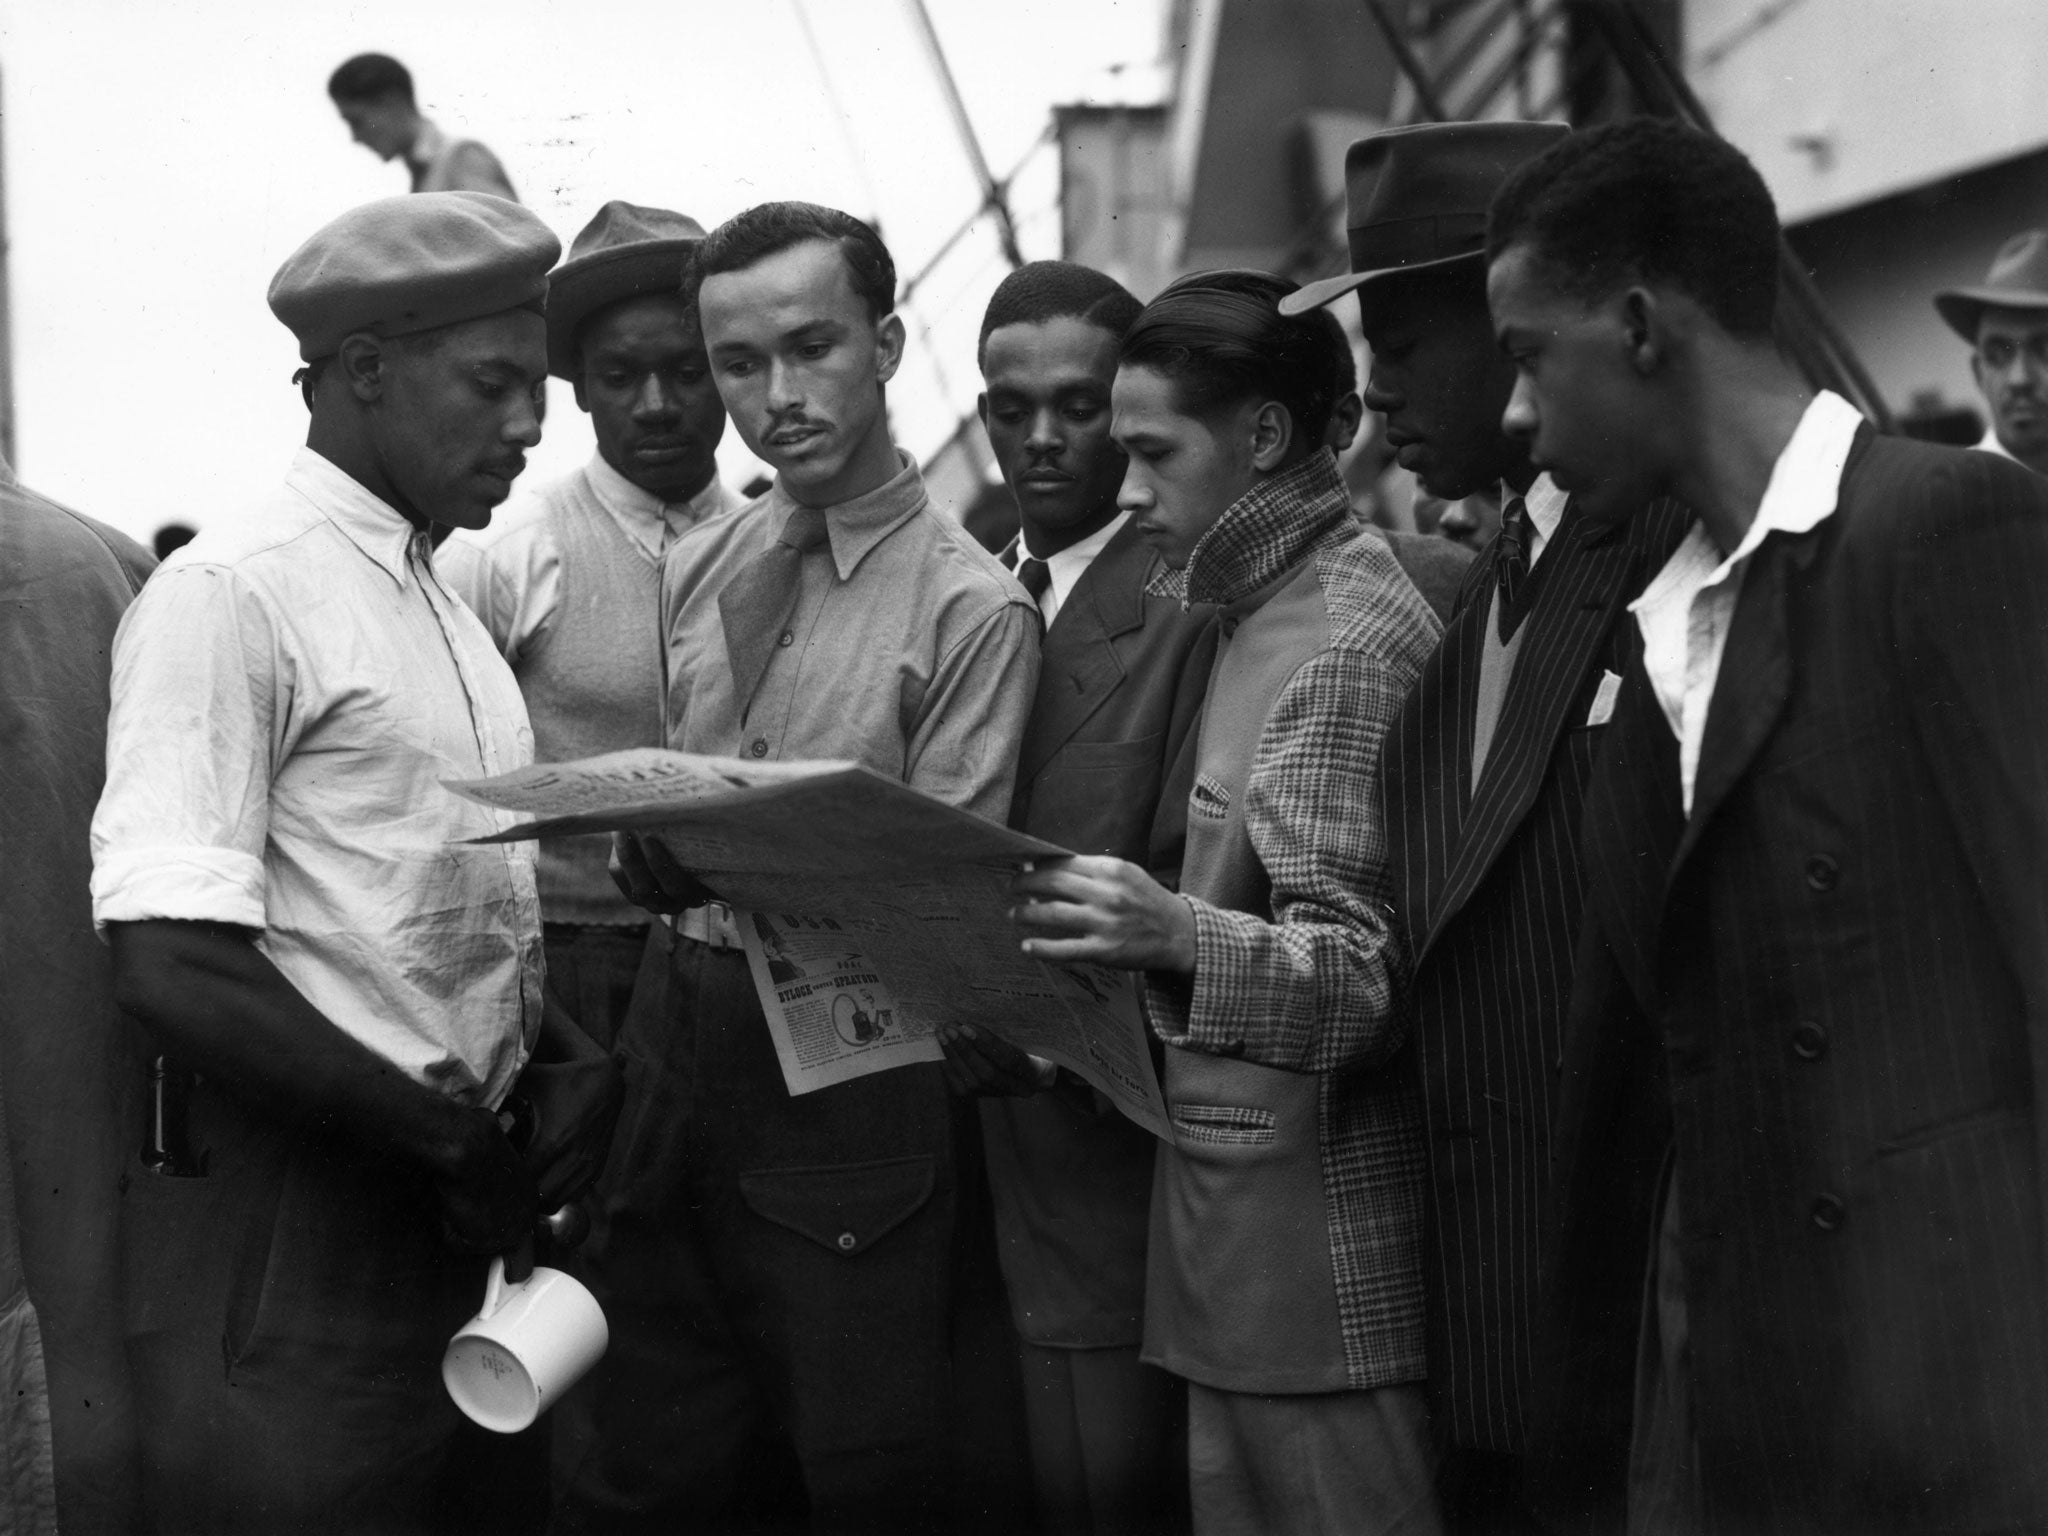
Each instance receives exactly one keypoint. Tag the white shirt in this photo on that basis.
(1545, 504)
(510, 573)
(288, 694)
(1066, 567)
(1686, 610)
(1991, 444)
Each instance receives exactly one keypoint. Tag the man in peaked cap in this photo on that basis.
(298, 915)
(568, 580)
(1486, 768)
(2005, 321)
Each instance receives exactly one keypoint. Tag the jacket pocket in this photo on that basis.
(1226, 1125)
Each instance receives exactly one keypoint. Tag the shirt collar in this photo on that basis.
(1069, 563)
(642, 513)
(369, 522)
(1991, 444)
(1262, 535)
(1804, 488)
(1545, 503)
(857, 526)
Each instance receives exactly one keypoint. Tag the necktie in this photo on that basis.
(1034, 576)
(1511, 564)
(758, 603)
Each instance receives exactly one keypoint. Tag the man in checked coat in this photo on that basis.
(1486, 768)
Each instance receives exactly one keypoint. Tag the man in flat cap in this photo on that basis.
(568, 580)
(2005, 321)
(298, 916)
(1486, 769)
(373, 94)
(777, 1269)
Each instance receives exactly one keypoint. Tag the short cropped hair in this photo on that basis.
(768, 229)
(1040, 291)
(1221, 339)
(369, 77)
(1650, 197)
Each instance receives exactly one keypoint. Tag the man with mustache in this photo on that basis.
(777, 1269)
(2005, 321)
(568, 580)
(298, 914)
(1486, 771)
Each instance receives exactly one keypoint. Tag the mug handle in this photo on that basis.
(494, 1289)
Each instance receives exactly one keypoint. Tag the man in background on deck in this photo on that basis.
(373, 94)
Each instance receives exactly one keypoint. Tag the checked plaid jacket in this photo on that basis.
(1298, 966)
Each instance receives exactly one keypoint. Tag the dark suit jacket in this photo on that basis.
(1489, 886)
(1107, 765)
(1837, 968)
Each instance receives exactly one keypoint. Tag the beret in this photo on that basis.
(624, 252)
(412, 263)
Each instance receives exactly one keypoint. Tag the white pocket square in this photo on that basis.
(1603, 699)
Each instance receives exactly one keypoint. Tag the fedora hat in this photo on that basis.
(2018, 279)
(1415, 198)
(624, 252)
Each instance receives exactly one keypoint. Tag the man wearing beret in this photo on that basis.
(2005, 321)
(298, 916)
(777, 1269)
(568, 581)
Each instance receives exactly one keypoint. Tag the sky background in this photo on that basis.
(162, 157)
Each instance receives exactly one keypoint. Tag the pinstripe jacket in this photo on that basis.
(1827, 990)
(1489, 886)
(1284, 1224)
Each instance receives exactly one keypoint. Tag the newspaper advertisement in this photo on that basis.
(870, 912)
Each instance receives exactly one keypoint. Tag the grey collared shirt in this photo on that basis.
(911, 649)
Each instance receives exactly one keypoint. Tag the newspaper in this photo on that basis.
(870, 912)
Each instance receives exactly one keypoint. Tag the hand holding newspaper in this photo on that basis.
(870, 912)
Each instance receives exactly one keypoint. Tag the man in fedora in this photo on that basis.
(1486, 766)
(300, 915)
(2005, 321)
(568, 580)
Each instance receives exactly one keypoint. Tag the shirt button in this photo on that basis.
(1809, 1041)
(1829, 1213)
(759, 748)
(1823, 873)
(785, 638)
(848, 1242)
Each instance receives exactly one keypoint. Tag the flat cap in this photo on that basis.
(412, 263)
(624, 252)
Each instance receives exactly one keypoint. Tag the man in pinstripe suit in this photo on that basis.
(1486, 768)
(1816, 944)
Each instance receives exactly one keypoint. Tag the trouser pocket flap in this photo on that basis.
(844, 1207)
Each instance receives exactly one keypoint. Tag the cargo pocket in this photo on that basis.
(850, 1262)
(845, 1208)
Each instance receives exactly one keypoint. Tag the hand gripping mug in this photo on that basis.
(528, 1345)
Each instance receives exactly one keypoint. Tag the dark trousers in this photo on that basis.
(777, 1275)
(591, 970)
(287, 1316)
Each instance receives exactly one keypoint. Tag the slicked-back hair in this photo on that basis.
(1220, 338)
(370, 77)
(1650, 199)
(768, 229)
(1040, 291)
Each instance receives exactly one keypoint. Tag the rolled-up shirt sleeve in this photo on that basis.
(198, 722)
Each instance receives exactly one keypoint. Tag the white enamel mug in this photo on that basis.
(529, 1344)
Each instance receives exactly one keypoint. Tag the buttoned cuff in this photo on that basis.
(1201, 1013)
(197, 885)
